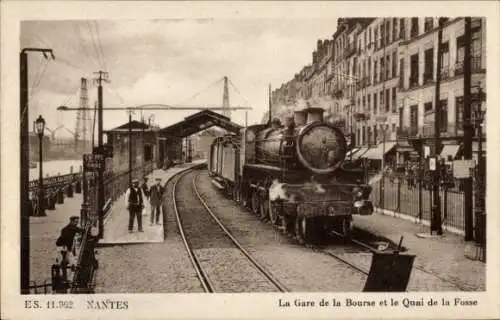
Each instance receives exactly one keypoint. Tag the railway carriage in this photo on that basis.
(292, 175)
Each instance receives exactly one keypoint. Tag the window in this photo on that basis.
(394, 104)
(381, 96)
(369, 103)
(428, 65)
(414, 27)
(375, 74)
(364, 38)
(401, 72)
(402, 34)
(445, 60)
(401, 117)
(387, 69)
(427, 107)
(375, 133)
(369, 36)
(414, 70)
(382, 35)
(459, 111)
(364, 104)
(394, 29)
(393, 127)
(382, 69)
(443, 115)
(387, 99)
(414, 119)
(148, 152)
(369, 70)
(476, 50)
(387, 31)
(428, 24)
(394, 64)
(375, 101)
(375, 38)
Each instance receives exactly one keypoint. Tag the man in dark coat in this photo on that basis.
(68, 234)
(135, 204)
(156, 195)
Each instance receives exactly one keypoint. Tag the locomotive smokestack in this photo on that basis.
(300, 117)
(314, 114)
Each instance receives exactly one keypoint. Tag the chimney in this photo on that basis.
(315, 54)
(300, 117)
(314, 114)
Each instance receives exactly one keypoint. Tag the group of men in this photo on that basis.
(135, 199)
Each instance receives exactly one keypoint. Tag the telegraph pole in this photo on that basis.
(130, 148)
(101, 76)
(436, 205)
(469, 220)
(24, 164)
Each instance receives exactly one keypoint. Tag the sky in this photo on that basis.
(166, 62)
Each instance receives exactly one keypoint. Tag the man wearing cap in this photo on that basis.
(66, 239)
(156, 195)
(134, 203)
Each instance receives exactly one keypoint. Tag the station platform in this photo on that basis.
(116, 224)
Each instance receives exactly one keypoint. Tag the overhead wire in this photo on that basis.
(94, 45)
(201, 91)
(99, 43)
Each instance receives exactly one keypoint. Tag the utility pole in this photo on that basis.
(225, 100)
(436, 224)
(102, 76)
(270, 105)
(24, 164)
(469, 220)
(130, 148)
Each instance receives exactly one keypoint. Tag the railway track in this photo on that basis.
(220, 262)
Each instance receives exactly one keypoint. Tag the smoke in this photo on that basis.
(276, 191)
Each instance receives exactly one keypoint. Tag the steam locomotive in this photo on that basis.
(292, 175)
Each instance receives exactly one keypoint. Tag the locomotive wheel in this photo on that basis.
(304, 229)
(274, 212)
(255, 202)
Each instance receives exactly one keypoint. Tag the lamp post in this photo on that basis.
(39, 127)
(382, 119)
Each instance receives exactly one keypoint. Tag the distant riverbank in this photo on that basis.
(53, 167)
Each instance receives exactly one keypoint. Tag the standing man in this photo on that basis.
(135, 204)
(146, 194)
(156, 196)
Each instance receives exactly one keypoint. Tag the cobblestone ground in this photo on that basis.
(149, 268)
(436, 258)
(295, 266)
(44, 232)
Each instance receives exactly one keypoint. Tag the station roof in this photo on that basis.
(134, 124)
(198, 122)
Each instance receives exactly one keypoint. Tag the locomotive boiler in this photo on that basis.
(292, 175)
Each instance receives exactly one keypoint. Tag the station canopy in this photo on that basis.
(198, 122)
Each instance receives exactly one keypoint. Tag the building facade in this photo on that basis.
(376, 78)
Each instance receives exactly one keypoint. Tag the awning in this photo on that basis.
(376, 152)
(449, 152)
(359, 153)
(404, 146)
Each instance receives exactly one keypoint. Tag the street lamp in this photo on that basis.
(39, 127)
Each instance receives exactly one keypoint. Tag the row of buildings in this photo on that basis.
(376, 77)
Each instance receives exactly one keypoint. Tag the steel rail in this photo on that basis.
(205, 282)
(266, 273)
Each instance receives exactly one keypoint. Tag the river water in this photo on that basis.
(53, 167)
